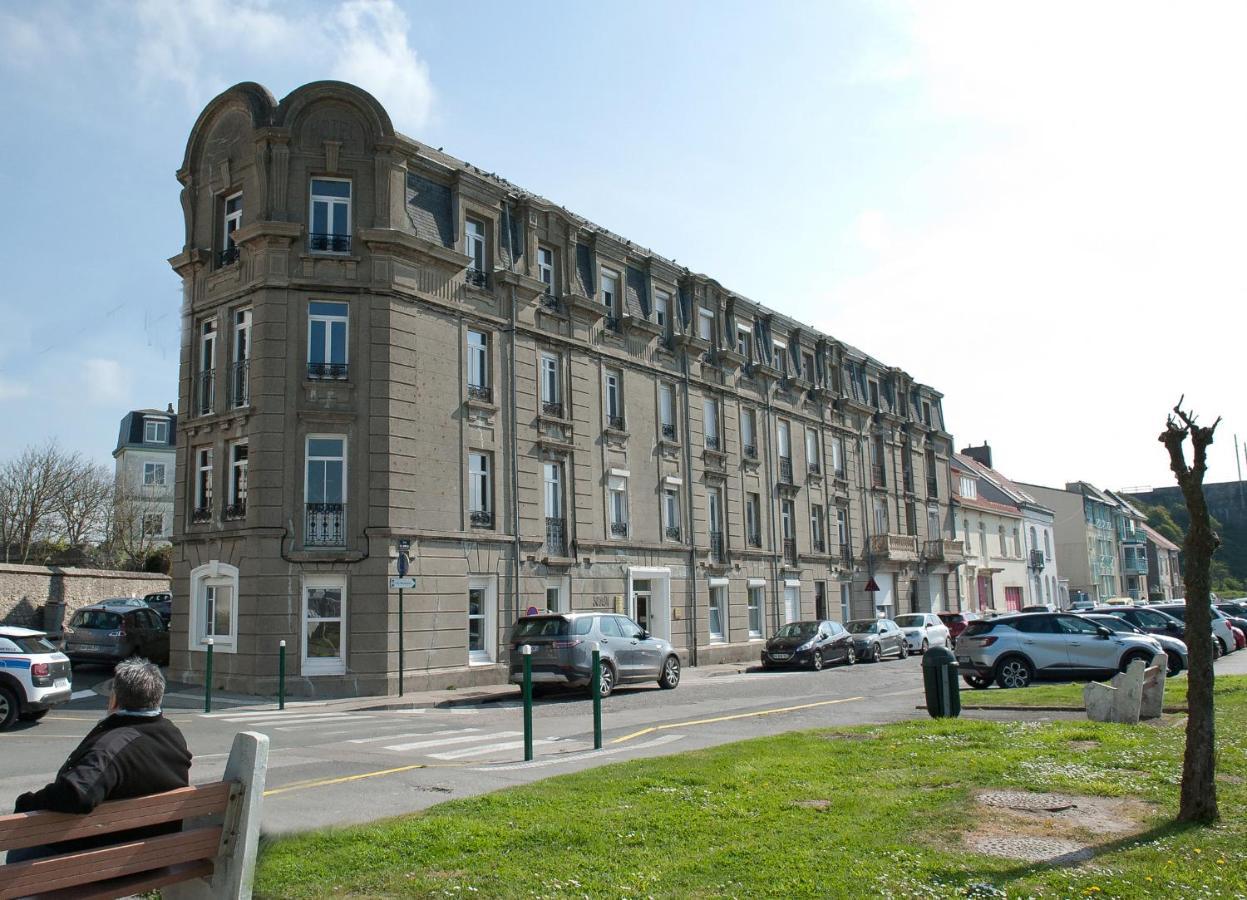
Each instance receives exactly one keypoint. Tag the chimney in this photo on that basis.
(169, 409)
(981, 455)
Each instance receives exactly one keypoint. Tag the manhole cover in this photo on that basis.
(1029, 849)
(1027, 801)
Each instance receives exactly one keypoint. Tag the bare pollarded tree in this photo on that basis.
(1199, 786)
(29, 487)
(81, 510)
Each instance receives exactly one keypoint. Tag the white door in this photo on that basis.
(792, 603)
(885, 597)
(937, 593)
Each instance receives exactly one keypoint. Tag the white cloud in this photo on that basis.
(873, 231)
(13, 390)
(377, 57)
(106, 381)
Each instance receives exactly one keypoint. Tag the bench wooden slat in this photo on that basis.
(34, 829)
(88, 866)
(133, 884)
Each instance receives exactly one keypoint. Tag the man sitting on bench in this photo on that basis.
(132, 752)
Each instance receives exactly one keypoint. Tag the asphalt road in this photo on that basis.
(330, 765)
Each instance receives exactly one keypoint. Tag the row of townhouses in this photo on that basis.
(382, 343)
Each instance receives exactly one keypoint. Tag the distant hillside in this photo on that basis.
(1226, 503)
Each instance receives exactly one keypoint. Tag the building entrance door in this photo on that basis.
(792, 602)
(642, 600)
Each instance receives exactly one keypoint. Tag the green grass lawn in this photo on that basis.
(1070, 695)
(736, 820)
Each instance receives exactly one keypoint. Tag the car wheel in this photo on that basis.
(1175, 663)
(670, 673)
(34, 715)
(1014, 672)
(902, 652)
(978, 682)
(606, 681)
(8, 707)
(851, 659)
(926, 645)
(876, 652)
(816, 661)
(1221, 646)
(1216, 648)
(1131, 657)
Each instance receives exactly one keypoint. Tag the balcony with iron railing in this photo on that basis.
(201, 514)
(717, 553)
(552, 408)
(324, 525)
(205, 392)
(819, 545)
(933, 488)
(619, 529)
(228, 256)
(1126, 536)
(813, 467)
(327, 371)
(895, 547)
(615, 422)
(790, 551)
(844, 554)
(712, 442)
(236, 510)
(1036, 559)
(668, 431)
(876, 476)
(329, 243)
(481, 392)
(481, 518)
(556, 536)
(476, 278)
(785, 470)
(672, 532)
(750, 451)
(755, 539)
(240, 383)
(1134, 564)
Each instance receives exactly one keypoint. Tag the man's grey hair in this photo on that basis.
(138, 684)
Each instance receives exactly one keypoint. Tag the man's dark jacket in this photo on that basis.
(123, 756)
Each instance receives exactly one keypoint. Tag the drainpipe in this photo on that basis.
(690, 583)
(771, 498)
(863, 450)
(515, 440)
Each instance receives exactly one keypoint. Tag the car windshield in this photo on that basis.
(949, 618)
(1112, 623)
(32, 644)
(979, 627)
(797, 629)
(861, 626)
(541, 626)
(95, 618)
(911, 621)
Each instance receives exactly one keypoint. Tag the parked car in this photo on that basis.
(1081, 605)
(1038, 607)
(34, 675)
(1224, 637)
(1240, 638)
(1235, 619)
(107, 634)
(923, 631)
(1153, 621)
(956, 623)
(562, 651)
(1233, 608)
(1015, 650)
(122, 603)
(875, 638)
(812, 644)
(162, 602)
(1175, 650)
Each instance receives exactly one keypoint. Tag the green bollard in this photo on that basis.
(208, 678)
(281, 675)
(597, 697)
(527, 652)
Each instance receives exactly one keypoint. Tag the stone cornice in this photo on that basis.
(413, 246)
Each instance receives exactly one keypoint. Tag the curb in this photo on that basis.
(1074, 709)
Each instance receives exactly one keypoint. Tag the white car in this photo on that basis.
(923, 630)
(34, 675)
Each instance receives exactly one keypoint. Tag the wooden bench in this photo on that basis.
(212, 856)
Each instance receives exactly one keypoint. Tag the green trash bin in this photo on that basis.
(941, 681)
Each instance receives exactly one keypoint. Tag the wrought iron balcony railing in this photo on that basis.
(933, 488)
(324, 371)
(755, 539)
(240, 383)
(673, 532)
(619, 529)
(228, 256)
(201, 514)
(785, 470)
(876, 476)
(813, 467)
(477, 278)
(668, 431)
(482, 518)
(324, 525)
(844, 553)
(329, 243)
(237, 509)
(1036, 559)
(616, 422)
(819, 545)
(716, 546)
(790, 551)
(552, 408)
(750, 451)
(480, 392)
(556, 536)
(712, 442)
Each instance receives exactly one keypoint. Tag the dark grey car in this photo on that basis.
(107, 634)
(874, 639)
(562, 651)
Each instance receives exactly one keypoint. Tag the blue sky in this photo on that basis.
(1010, 201)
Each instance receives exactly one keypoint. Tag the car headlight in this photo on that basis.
(808, 645)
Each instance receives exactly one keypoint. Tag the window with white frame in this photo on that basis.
(749, 432)
(881, 516)
(153, 524)
(755, 611)
(203, 484)
(811, 450)
(478, 364)
(327, 340)
(474, 247)
(781, 356)
(545, 270)
(710, 422)
(330, 216)
(480, 489)
(666, 409)
(662, 309)
(233, 221)
(753, 519)
(614, 399)
(551, 384)
(846, 602)
(237, 493)
(671, 513)
(816, 527)
(837, 456)
(324, 624)
(155, 431)
(783, 434)
(969, 489)
(325, 491)
(213, 607)
(744, 340)
(787, 520)
(240, 388)
(552, 476)
(609, 285)
(714, 516)
(482, 619)
(842, 529)
(718, 612)
(965, 532)
(207, 367)
(705, 324)
(617, 503)
(153, 474)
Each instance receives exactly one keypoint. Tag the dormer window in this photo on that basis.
(233, 221)
(662, 309)
(874, 393)
(744, 338)
(545, 270)
(781, 357)
(807, 362)
(969, 490)
(609, 283)
(705, 325)
(155, 431)
(474, 246)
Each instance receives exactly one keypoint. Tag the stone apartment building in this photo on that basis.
(1164, 568)
(384, 343)
(1086, 525)
(145, 461)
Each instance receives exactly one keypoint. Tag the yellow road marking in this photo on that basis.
(324, 782)
(748, 715)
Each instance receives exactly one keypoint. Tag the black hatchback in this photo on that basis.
(809, 644)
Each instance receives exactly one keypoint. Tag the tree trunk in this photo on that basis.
(1199, 787)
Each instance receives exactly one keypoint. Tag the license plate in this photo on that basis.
(88, 647)
(61, 683)
(781, 655)
(963, 659)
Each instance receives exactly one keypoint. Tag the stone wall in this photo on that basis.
(26, 590)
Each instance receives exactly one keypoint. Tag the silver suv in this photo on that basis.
(1015, 650)
(562, 651)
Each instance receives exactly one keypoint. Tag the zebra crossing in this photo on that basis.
(392, 734)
